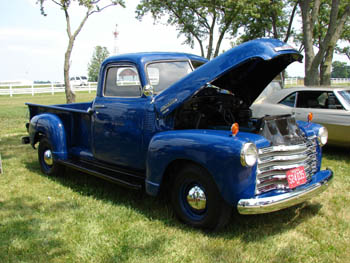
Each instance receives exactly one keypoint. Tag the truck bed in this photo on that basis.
(76, 121)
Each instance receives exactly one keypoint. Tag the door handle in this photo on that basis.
(99, 106)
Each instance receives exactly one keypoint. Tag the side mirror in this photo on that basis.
(148, 90)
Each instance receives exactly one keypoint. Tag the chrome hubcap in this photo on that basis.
(48, 157)
(196, 198)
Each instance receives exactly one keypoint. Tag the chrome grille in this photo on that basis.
(275, 161)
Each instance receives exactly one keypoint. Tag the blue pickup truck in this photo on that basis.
(179, 124)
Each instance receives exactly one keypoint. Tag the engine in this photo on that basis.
(212, 108)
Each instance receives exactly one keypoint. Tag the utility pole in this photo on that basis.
(115, 34)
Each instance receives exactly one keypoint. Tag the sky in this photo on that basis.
(32, 46)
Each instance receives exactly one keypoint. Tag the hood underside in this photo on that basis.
(244, 70)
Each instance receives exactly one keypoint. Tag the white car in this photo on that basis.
(79, 81)
(330, 107)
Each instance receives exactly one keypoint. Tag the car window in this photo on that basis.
(122, 81)
(332, 102)
(196, 63)
(290, 100)
(162, 74)
(317, 100)
(345, 95)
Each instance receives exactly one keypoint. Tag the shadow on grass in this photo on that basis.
(337, 153)
(250, 228)
(23, 235)
(254, 228)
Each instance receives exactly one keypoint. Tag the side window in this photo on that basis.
(122, 81)
(196, 64)
(332, 102)
(312, 99)
(290, 100)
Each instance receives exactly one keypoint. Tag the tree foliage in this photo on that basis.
(206, 22)
(274, 19)
(100, 54)
(340, 70)
(346, 38)
(91, 7)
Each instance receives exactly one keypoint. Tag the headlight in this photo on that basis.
(322, 136)
(249, 154)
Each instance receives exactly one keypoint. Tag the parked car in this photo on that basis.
(179, 124)
(79, 81)
(330, 107)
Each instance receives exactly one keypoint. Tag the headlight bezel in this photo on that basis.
(322, 136)
(249, 154)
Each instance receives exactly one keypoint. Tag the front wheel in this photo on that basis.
(197, 201)
(47, 163)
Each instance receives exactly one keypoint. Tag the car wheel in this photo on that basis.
(47, 163)
(196, 199)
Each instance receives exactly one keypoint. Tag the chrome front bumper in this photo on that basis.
(278, 202)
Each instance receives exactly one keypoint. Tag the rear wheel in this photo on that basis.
(47, 163)
(196, 199)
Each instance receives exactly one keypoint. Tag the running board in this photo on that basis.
(118, 178)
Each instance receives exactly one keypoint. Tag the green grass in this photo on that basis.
(78, 218)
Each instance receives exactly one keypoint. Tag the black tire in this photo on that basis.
(214, 213)
(48, 166)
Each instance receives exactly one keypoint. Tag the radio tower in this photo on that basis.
(115, 34)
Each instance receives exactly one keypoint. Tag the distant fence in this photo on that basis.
(291, 81)
(300, 81)
(33, 89)
(340, 81)
(53, 88)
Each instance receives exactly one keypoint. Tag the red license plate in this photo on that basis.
(296, 177)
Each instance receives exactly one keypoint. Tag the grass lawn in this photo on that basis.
(78, 218)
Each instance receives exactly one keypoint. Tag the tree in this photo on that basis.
(340, 70)
(91, 6)
(311, 13)
(100, 54)
(200, 20)
(345, 37)
(274, 19)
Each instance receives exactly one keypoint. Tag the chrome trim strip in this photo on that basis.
(283, 148)
(278, 158)
(282, 167)
(275, 203)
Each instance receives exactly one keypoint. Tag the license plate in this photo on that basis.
(296, 177)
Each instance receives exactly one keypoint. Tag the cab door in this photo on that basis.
(118, 118)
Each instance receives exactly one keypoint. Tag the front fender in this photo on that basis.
(216, 151)
(50, 126)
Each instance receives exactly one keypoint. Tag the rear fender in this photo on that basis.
(50, 126)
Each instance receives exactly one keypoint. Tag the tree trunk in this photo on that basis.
(70, 95)
(312, 77)
(335, 27)
(326, 66)
(211, 38)
(311, 70)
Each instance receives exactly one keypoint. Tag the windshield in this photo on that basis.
(345, 98)
(161, 75)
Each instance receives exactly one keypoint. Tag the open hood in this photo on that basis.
(244, 70)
